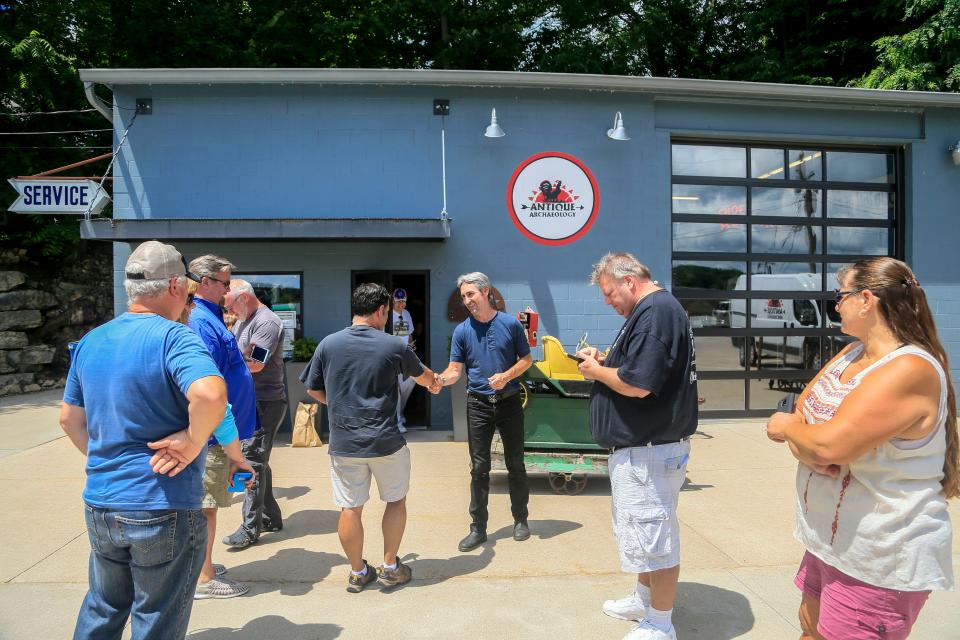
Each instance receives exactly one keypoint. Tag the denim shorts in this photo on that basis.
(645, 485)
(351, 478)
(855, 610)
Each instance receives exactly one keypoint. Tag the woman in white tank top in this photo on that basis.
(875, 434)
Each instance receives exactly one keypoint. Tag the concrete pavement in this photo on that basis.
(739, 556)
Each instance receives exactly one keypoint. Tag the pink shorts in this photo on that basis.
(854, 610)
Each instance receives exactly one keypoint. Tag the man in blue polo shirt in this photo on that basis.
(134, 381)
(494, 349)
(207, 320)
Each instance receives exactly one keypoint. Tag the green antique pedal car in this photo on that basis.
(557, 438)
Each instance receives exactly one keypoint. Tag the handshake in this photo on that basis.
(437, 385)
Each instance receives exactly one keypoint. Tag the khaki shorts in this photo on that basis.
(351, 478)
(645, 485)
(216, 479)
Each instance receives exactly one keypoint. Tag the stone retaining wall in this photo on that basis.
(44, 307)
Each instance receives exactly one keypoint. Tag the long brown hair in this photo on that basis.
(903, 305)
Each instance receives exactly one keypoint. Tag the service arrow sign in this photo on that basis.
(45, 195)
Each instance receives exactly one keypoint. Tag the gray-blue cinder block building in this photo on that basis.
(742, 198)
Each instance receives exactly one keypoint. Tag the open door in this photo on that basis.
(416, 284)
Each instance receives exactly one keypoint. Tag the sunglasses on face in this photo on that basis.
(839, 295)
(226, 285)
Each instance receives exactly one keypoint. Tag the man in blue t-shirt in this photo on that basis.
(207, 321)
(141, 399)
(494, 348)
(354, 372)
(643, 407)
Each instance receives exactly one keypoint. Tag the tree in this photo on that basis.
(926, 58)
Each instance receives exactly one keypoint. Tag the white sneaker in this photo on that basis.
(629, 608)
(402, 428)
(646, 631)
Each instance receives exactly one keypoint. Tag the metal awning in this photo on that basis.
(267, 229)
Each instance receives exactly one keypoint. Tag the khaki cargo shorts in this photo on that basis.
(216, 479)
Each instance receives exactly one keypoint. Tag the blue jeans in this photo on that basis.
(143, 564)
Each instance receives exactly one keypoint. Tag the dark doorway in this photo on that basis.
(416, 284)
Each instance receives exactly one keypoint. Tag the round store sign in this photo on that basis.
(553, 198)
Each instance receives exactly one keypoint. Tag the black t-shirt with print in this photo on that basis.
(653, 351)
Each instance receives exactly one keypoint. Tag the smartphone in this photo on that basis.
(260, 354)
(788, 403)
(238, 480)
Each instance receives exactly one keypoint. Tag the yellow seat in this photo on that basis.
(556, 363)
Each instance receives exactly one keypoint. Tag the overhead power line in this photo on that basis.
(49, 133)
(45, 113)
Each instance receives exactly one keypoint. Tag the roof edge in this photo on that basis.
(519, 79)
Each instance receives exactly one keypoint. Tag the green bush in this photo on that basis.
(303, 349)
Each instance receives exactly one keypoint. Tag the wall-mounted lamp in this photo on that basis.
(955, 152)
(493, 129)
(618, 132)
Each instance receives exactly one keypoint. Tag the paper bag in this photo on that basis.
(304, 426)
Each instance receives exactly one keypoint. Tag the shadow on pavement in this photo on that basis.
(430, 571)
(273, 627)
(292, 572)
(705, 611)
(299, 523)
(542, 529)
(692, 486)
(290, 493)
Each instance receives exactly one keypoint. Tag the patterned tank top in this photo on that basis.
(883, 519)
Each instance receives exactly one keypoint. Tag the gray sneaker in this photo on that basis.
(395, 577)
(219, 588)
(355, 583)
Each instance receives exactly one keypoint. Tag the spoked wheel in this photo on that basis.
(567, 483)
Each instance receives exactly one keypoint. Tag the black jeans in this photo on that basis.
(483, 418)
(260, 508)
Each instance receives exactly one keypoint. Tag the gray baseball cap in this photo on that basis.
(154, 260)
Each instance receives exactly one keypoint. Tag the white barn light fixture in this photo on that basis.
(618, 132)
(493, 129)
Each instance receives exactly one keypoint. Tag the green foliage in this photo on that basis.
(698, 277)
(303, 349)
(926, 58)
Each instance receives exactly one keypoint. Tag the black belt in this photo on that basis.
(652, 443)
(494, 398)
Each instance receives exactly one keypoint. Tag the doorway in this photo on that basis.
(416, 284)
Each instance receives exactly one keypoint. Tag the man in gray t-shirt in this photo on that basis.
(259, 326)
(354, 372)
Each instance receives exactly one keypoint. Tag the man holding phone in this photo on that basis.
(643, 407)
(259, 333)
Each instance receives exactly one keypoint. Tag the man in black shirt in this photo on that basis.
(643, 407)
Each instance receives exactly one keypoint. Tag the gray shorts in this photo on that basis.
(645, 485)
(351, 478)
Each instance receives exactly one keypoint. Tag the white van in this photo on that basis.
(779, 313)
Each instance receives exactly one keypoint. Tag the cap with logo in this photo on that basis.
(399, 294)
(154, 260)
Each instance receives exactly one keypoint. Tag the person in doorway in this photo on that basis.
(142, 397)
(259, 326)
(207, 321)
(643, 407)
(493, 347)
(402, 325)
(354, 372)
(875, 434)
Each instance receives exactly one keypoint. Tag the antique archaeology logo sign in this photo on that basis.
(553, 198)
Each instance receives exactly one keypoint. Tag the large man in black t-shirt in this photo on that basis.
(643, 407)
